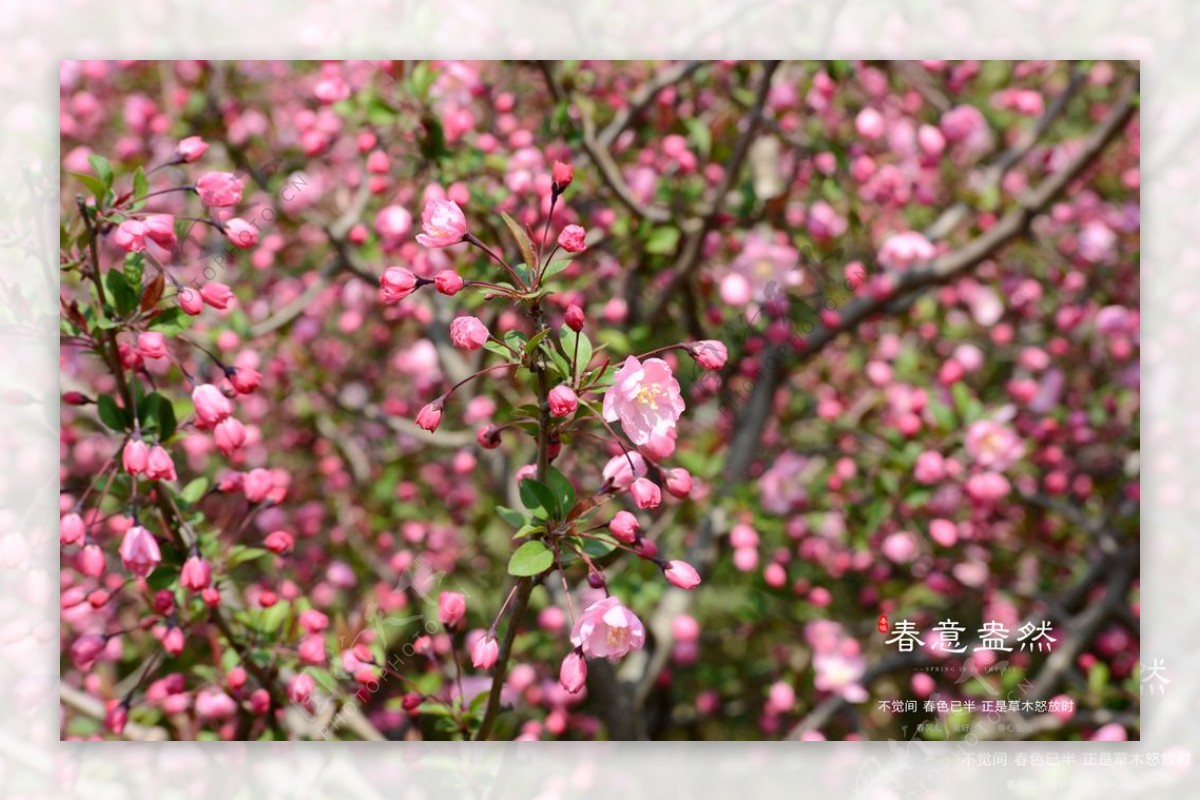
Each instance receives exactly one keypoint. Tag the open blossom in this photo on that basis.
(645, 397)
(993, 445)
(572, 239)
(901, 251)
(219, 189)
(468, 333)
(139, 551)
(211, 405)
(442, 224)
(395, 284)
(607, 630)
(781, 487)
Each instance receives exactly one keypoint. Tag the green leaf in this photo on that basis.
(597, 548)
(564, 492)
(499, 350)
(527, 530)
(273, 616)
(557, 361)
(103, 169)
(663, 241)
(567, 337)
(242, 553)
(194, 490)
(171, 322)
(556, 267)
(111, 415)
(512, 516)
(94, 185)
(537, 497)
(536, 340)
(162, 577)
(120, 294)
(701, 135)
(141, 188)
(524, 244)
(157, 414)
(530, 559)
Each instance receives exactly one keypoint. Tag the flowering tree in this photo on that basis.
(854, 343)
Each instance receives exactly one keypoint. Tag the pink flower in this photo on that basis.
(606, 629)
(987, 488)
(279, 542)
(196, 573)
(624, 526)
(430, 417)
(646, 494)
(901, 251)
(152, 345)
(623, 469)
(448, 282)
(211, 405)
(86, 650)
(130, 236)
(1110, 732)
(781, 487)
(71, 529)
(645, 398)
(241, 234)
(681, 574)
(217, 295)
(191, 148)
(574, 318)
(443, 224)
(840, 672)
(468, 333)
(485, 652)
(573, 673)
(679, 482)
(930, 467)
(993, 445)
(452, 608)
(561, 176)
(709, 353)
(563, 401)
(139, 551)
(229, 435)
(159, 465)
(869, 124)
(190, 301)
(219, 189)
(572, 239)
(116, 716)
(214, 704)
(135, 457)
(161, 229)
(244, 379)
(300, 688)
(395, 284)
(393, 222)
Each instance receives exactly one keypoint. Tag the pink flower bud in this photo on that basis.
(90, 561)
(468, 333)
(244, 380)
(572, 239)
(488, 437)
(191, 148)
(442, 223)
(116, 716)
(196, 574)
(621, 470)
(709, 354)
(646, 494)
(135, 457)
(229, 435)
(219, 189)
(448, 282)
(86, 649)
(71, 529)
(241, 234)
(574, 318)
(256, 485)
(485, 652)
(396, 284)
(190, 301)
(679, 482)
(314, 620)
(151, 345)
(681, 574)
(624, 526)
(452, 608)
(279, 542)
(563, 401)
(561, 176)
(300, 688)
(139, 551)
(159, 465)
(377, 163)
(430, 417)
(130, 236)
(573, 673)
(211, 405)
(161, 229)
